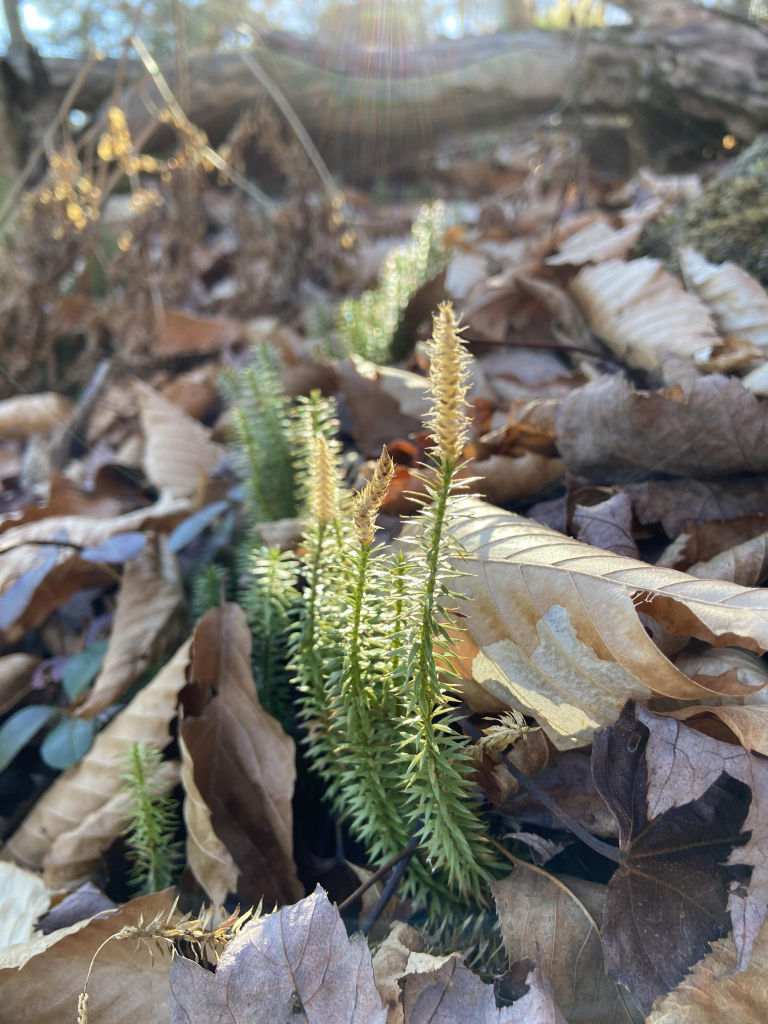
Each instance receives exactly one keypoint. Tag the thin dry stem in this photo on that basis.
(368, 501)
(448, 382)
(322, 483)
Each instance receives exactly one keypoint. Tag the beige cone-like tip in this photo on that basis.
(322, 483)
(448, 374)
(368, 501)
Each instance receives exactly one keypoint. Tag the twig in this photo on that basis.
(379, 873)
(604, 849)
(390, 888)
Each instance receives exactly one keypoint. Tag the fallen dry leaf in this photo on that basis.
(184, 334)
(16, 678)
(699, 542)
(42, 840)
(607, 525)
(642, 312)
(721, 668)
(149, 599)
(40, 980)
(195, 392)
(376, 415)
(557, 626)
(64, 499)
(179, 456)
(25, 415)
(596, 243)
(389, 964)
(689, 832)
(298, 953)
(556, 922)
(503, 479)
(244, 763)
(607, 431)
(715, 991)
(84, 902)
(747, 563)
(673, 503)
(24, 897)
(738, 302)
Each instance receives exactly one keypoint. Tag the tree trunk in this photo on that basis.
(682, 73)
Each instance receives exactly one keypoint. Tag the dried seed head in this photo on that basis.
(322, 483)
(448, 382)
(82, 1008)
(368, 501)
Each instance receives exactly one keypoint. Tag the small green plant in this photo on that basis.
(261, 437)
(207, 589)
(149, 834)
(366, 325)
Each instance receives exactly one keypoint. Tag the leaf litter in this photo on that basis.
(602, 622)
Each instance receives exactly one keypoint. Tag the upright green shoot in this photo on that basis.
(149, 834)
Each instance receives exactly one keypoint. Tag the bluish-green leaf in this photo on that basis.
(67, 742)
(82, 668)
(21, 727)
(194, 525)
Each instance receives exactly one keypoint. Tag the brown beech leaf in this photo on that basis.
(596, 243)
(40, 563)
(24, 897)
(716, 992)
(674, 503)
(15, 678)
(244, 763)
(746, 564)
(642, 312)
(40, 980)
(149, 599)
(699, 542)
(748, 723)
(184, 334)
(376, 416)
(724, 668)
(688, 829)
(299, 955)
(64, 499)
(179, 455)
(738, 302)
(503, 479)
(607, 525)
(45, 837)
(389, 964)
(25, 415)
(556, 922)
(556, 622)
(195, 392)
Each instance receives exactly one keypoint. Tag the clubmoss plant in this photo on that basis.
(207, 589)
(149, 834)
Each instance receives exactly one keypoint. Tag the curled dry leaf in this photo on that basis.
(84, 902)
(24, 897)
(376, 415)
(179, 455)
(738, 302)
(556, 622)
(642, 312)
(596, 243)
(723, 668)
(607, 525)
(64, 499)
(699, 542)
(25, 415)
(244, 763)
(182, 334)
(195, 392)
(125, 987)
(693, 822)
(607, 431)
(556, 922)
(747, 563)
(502, 478)
(41, 564)
(299, 953)
(16, 678)
(81, 791)
(148, 601)
(673, 503)
(715, 991)
(389, 964)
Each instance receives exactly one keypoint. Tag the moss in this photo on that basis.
(728, 221)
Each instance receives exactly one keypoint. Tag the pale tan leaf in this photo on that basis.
(701, 541)
(40, 980)
(596, 243)
(64, 499)
(25, 415)
(75, 856)
(557, 625)
(723, 668)
(301, 952)
(504, 479)
(608, 431)
(716, 992)
(642, 312)
(756, 381)
(747, 563)
(15, 678)
(24, 897)
(195, 392)
(179, 455)
(389, 964)
(464, 270)
(738, 301)
(51, 546)
(184, 334)
(556, 922)
(208, 858)
(682, 764)
(148, 601)
(244, 763)
(674, 188)
(87, 786)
